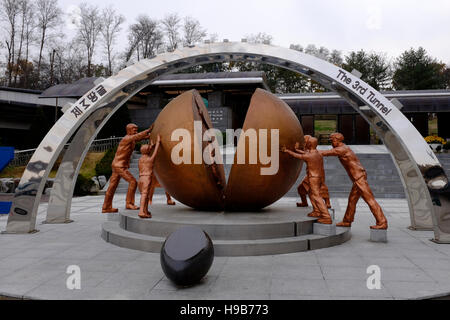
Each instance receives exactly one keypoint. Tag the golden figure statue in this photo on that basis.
(156, 184)
(304, 188)
(146, 163)
(120, 166)
(315, 174)
(360, 188)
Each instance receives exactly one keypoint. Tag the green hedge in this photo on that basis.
(83, 186)
(103, 168)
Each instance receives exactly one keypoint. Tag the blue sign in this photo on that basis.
(5, 207)
(6, 156)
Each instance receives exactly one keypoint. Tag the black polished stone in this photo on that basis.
(187, 255)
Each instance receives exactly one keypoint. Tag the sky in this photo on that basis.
(389, 26)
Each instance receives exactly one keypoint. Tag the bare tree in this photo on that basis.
(88, 31)
(171, 24)
(10, 11)
(260, 37)
(145, 38)
(48, 16)
(193, 31)
(110, 29)
(26, 22)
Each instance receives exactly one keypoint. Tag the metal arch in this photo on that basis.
(423, 177)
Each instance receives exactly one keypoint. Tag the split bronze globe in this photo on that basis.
(269, 156)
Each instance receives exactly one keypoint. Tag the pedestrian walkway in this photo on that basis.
(412, 267)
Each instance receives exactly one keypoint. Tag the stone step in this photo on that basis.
(283, 223)
(112, 233)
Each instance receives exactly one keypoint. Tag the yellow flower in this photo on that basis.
(435, 139)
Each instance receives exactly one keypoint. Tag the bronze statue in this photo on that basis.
(146, 163)
(315, 175)
(120, 166)
(360, 188)
(155, 184)
(304, 188)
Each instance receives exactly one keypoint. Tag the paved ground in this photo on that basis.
(34, 266)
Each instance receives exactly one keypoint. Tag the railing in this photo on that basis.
(22, 157)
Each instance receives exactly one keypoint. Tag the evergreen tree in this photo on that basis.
(416, 70)
(375, 68)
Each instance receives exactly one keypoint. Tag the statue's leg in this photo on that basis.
(144, 187)
(317, 201)
(151, 192)
(325, 194)
(351, 207)
(170, 202)
(302, 193)
(367, 195)
(132, 185)
(113, 183)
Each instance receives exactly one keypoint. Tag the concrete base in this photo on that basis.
(378, 235)
(276, 230)
(324, 229)
(112, 216)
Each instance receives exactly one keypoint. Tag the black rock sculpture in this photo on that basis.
(187, 255)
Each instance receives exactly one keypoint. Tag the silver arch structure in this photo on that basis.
(426, 185)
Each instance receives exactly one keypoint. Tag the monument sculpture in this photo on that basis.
(120, 166)
(360, 188)
(424, 179)
(315, 175)
(146, 163)
(304, 188)
(203, 186)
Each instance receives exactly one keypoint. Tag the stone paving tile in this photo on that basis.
(300, 259)
(16, 290)
(340, 261)
(301, 287)
(354, 288)
(77, 253)
(88, 279)
(344, 273)
(398, 262)
(408, 290)
(118, 255)
(87, 293)
(405, 274)
(11, 265)
(411, 265)
(247, 266)
(125, 280)
(242, 286)
(29, 276)
(439, 275)
(295, 271)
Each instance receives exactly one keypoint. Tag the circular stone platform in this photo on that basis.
(275, 230)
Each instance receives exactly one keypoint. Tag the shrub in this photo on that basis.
(447, 146)
(103, 167)
(83, 186)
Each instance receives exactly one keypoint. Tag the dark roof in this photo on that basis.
(72, 90)
(20, 90)
(80, 87)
